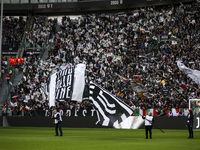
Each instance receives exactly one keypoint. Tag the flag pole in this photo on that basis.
(154, 124)
(1, 33)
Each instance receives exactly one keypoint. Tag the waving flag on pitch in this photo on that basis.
(110, 110)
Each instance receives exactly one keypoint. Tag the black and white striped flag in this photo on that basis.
(110, 110)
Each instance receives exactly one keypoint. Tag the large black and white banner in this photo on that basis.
(64, 82)
(193, 74)
(63, 86)
(110, 110)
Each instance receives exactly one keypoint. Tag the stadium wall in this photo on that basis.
(71, 122)
(170, 122)
(89, 122)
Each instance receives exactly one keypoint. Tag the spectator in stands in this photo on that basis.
(170, 114)
(4, 65)
(198, 113)
(162, 113)
(8, 76)
(181, 114)
(177, 113)
(10, 72)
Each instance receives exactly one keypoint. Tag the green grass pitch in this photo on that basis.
(21, 138)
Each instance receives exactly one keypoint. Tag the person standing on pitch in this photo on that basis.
(189, 123)
(57, 121)
(148, 124)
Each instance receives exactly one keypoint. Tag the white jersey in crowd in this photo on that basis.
(56, 120)
(148, 119)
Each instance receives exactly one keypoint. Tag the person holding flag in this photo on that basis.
(149, 120)
(57, 121)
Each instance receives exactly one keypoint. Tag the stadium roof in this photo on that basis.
(61, 7)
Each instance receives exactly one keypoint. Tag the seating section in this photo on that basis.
(133, 55)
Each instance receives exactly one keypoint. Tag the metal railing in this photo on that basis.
(9, 87)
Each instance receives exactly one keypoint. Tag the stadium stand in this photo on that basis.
(141, 45)
(13, 32)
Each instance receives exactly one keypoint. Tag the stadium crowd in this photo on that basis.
(12, 33)
(40, 31)
(119, 50)
(13, 30)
